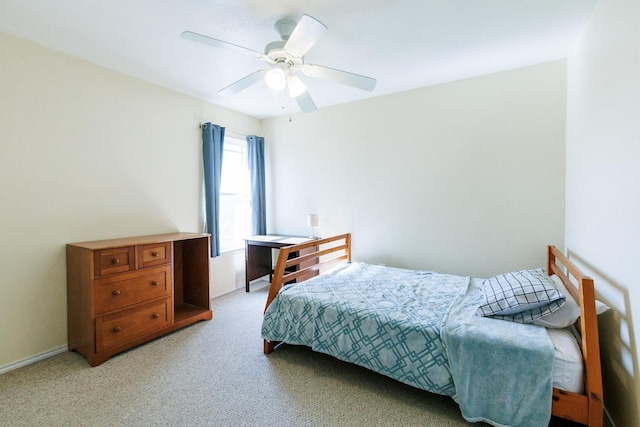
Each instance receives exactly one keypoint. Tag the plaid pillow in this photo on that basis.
(520, 296)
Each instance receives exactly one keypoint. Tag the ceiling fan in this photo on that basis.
(285, 59)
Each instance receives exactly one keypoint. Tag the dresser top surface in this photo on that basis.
(139, 240)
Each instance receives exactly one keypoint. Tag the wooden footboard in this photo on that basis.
(584, 408)
(312, 257)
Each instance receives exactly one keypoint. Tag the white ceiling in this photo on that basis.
(404, 44)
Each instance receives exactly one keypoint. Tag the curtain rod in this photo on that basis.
(227, 131)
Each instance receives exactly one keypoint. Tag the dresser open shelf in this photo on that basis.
(124, 292)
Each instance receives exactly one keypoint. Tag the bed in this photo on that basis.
(423, 328)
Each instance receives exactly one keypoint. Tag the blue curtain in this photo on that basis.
(255, 154)
(212, 149)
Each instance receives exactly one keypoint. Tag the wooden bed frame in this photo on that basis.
(584, 408)
(587, 408)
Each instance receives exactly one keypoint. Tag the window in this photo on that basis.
(235, 195)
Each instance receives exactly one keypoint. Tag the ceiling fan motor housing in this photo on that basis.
(275, 52)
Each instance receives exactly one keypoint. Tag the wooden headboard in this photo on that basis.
(584, 408)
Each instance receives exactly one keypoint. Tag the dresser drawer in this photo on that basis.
(115, 292)
(154, 254)
(117, 260)
(126, 325)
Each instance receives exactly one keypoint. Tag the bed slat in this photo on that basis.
(313, 256)
(316, 267)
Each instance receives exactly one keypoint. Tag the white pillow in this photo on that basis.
(519, 296)
(565, 315)
(569, 312)
(601, 307)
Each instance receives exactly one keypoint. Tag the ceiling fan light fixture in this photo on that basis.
(296, 87)
(276, 79)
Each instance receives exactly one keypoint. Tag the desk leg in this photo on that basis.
(246, 266)
(257, 263)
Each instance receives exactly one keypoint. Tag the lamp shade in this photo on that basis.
(296, 87)
(276, 79)
(312, 220)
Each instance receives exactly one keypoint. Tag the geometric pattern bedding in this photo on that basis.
(385, 319)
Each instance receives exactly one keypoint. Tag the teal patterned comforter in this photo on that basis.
(385, 319)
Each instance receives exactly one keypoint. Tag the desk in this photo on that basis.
(257, 254)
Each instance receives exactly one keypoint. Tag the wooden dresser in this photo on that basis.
(124, 292)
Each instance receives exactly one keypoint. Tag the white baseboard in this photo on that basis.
(63, 348)
(608, 422)
(32, 359)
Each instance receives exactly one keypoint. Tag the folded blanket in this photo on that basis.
(502, 371)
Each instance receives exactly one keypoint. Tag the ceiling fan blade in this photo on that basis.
(188, 35)
(243, 83)
(304, 36)
(339, 76)
(305, 102)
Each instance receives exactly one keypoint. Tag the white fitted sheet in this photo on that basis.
(568, 368)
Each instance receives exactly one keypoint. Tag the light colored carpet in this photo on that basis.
(215, 374)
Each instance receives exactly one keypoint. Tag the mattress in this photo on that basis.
(568, 368)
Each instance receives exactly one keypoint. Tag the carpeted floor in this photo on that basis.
(215, 374)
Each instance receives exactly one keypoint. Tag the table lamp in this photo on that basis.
(312, 221)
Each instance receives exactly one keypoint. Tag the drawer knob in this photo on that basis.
(155, 283)
(155, 254)
(115, 261)
(116, 292)
(156, 315)
(117, 329)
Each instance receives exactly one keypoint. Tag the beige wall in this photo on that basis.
(603, 188)
(465, 177)
(87, 153)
